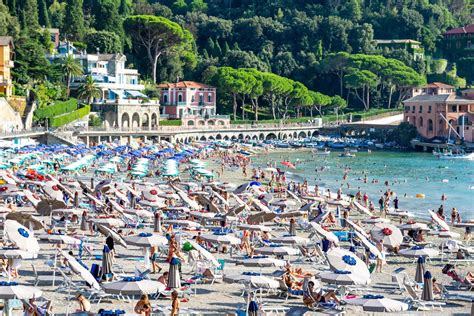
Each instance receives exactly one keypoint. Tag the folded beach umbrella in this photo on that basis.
(106, 231)
(13, 290)
(174, 279)
(253, 279)
(419, 251)
(441, 223)
(324, 233)
(222, 239)
(420, 270)
(341, 259)
(133, 286)
(388, 233)
(146, 240)
(278, 250)
(427, 294)
(26, 220)
(369, 245)
(378, 304)
(262, 261)
(79, 269)
(342, 277)
(291, 240)
(204, 253)
(21, 236)
(46, 206)
(107, 262)
(16, 253)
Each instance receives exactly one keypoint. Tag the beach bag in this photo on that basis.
(187, 246)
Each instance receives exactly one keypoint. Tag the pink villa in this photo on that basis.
(438, 112)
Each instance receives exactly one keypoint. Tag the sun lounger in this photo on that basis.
(456, 262)
(414, 300)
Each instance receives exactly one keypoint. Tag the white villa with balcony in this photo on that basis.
(123, 103)
(192, 102)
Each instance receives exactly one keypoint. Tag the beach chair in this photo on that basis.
(42, 306)
(40, 278)
(414, 300)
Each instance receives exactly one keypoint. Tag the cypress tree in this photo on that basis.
(43, 14)
(30, 11)
(210, 45)
(123, 8)
(235, 46)
(12, 7)
(217, 49)
(225, 49)
(205, 54)
(74, 20)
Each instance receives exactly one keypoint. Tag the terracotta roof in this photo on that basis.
(439, 98)
(439, 85)
(468, 29)
(184, 84)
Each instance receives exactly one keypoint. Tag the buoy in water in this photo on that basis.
(420, 196)
(445, 181)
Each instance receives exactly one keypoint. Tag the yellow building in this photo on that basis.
(6, 63)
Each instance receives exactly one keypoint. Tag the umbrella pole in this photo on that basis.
(6, 307)
(54, 266)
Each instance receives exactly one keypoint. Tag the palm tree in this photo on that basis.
(89, 90)
(70, 68)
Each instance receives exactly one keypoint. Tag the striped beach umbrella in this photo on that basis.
(174, 279)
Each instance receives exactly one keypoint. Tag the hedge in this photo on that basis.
(69, 117)
(56, 109)
(170, 123)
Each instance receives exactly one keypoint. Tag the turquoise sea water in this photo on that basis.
(407, 173)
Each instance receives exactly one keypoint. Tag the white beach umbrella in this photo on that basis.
(448, 234)
(63, 239)
(439, 221)
(376, 220)
(79, 269)
(278, 251)
(184, 223)
(203, 215)
(110, 232)
(324, 233)
(260, 228)
(13, 290)
(15, 253)
(188, 201)
(262, 262)
(388, 233)
(419, 251)
(341, 259)
(361, 208)
(158, 202)
(369, 245)
(21, 236)
(339, 277)
(357, 228)
(254, 279)
(146, 240)
(226, 239)
(291, 240)
(53, 190)
(414, 226)
(378, 304)
(109, 221)
(134, 286)
(139, 212)
(204, 253)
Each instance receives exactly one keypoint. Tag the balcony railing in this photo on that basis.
(129, 102)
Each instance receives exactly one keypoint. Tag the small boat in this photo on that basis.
(347, 154)
(326, 152)
(282, 145)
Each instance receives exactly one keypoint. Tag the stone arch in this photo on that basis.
(247, 137)
(254, 137)
(413, 121)
(302, 135)
(220, 122)
(295, 135)
(211, 122)
(211, 138)
(203, 138)
(125, 120)
(226, 137)
(218, 136)
(145, 120)
(271, 136)
(261, 136)
(154, 120)
(201, 123)
(241, 136)
(315, 133)
(283, 136)
(135, 120)
(190, 123)
(309, 133)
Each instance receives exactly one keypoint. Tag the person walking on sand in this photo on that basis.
(174, 304)
(380, 260)
(143, 306)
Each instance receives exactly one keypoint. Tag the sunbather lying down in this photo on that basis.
(311, 297)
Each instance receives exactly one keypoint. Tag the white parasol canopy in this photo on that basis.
(388, 233)
(206, 254)
(439, 221)
(291, 240)
(146, 240)
(262, 262)
(109, 232)
(21, 236)
(226, 239)
(134, 286)
(379, 304)
(343, 278)
(341, 259)
(79, 269)
(63, 239)
(327, 234)
(13, 290)
(418, 251)
(278, 251)
(253, 279)
(369, 245)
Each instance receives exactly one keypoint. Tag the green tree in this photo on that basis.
(57, 11)
(319, 101)
(159, 36)
(361, 82)
(180, 6)
(123, 8)
(337, 65)
(351, 10)
(31, 64)
(198, 6)
(30, 15)
(43, 15)
(103, 41)
(70, 68)
(95, 121)
(107, 17)
(8, 23)
(88, 90)
(74, 26)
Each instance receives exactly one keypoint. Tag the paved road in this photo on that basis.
(389, 120)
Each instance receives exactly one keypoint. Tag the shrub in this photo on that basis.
(69, 117)
(170, 123)
(58, 108)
